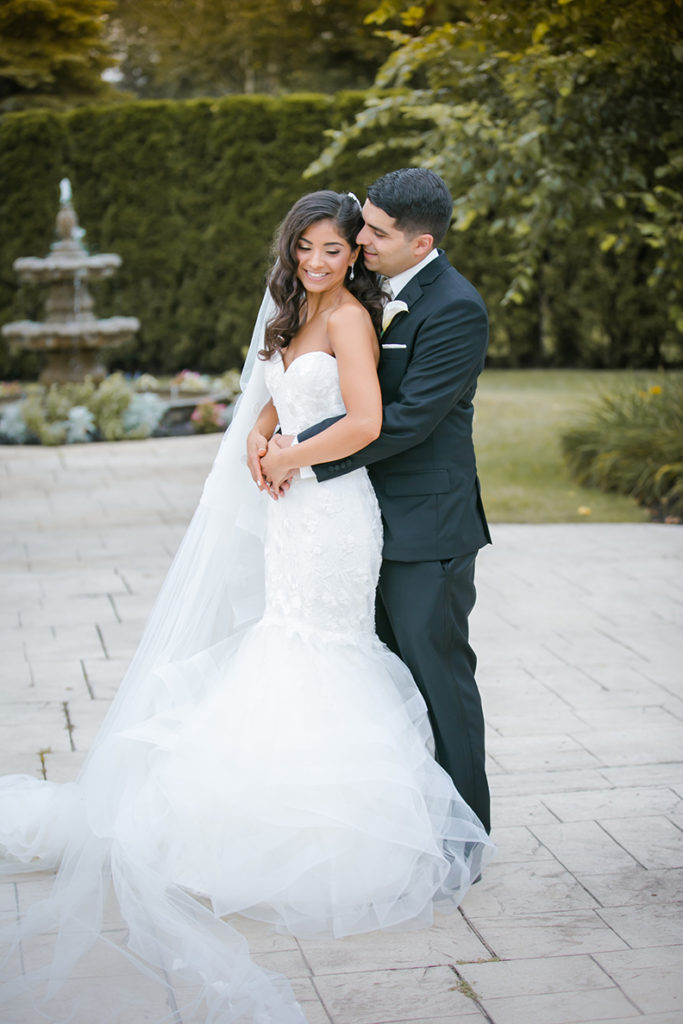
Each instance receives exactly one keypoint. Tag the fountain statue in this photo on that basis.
(70, 333)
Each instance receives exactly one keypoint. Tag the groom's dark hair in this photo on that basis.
(416, 198)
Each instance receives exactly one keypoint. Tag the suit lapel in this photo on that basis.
(413, 291)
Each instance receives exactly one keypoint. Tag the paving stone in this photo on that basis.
(551, 934)
(70, 615)
(562, 1008)
(261, 937)
(652, 925)
(602, 687)
(654, 1018)
(634, 886)
(667, 775)
(657, 843)
(635, 746)
(8, 897)
(535, 977)
(545, 724)
(538, 752)
(583, 846)
(120, 639)
(516, 844)
(523, 888)
(449, 941)
(508, 811)
(14, 672)
(86, 721)
(47, 731)
(540, 782)
(649, 977)
(54, 678)
(289, 962)
(645, 717)
(377, 997)
(613, 803)
(64, 766)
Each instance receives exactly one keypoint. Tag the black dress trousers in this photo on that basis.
(426, 605)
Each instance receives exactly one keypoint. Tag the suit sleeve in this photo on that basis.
(447, 359)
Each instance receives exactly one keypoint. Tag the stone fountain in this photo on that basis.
(71, 335)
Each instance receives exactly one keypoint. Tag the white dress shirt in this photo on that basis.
(399, 281)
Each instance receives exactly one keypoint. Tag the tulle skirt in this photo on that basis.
(298, 787)
(290, 780)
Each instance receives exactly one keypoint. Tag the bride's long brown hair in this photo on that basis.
(286, 288)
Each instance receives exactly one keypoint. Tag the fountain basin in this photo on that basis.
(73, 347)
(63, 266)
(70, 334)
(90, 334)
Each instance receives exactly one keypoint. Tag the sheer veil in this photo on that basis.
(79, 955)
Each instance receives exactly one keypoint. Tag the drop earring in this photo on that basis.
(351, 273)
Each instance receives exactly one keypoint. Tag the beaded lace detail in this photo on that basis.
(324, 540)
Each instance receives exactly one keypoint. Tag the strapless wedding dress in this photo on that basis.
(291, 779)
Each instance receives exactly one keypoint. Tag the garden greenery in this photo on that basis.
(190, 194)
(632, 443)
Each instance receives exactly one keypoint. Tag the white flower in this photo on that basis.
(391, 310)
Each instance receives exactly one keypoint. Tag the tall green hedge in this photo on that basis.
(190, 194)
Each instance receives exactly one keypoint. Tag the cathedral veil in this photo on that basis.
(162, 948)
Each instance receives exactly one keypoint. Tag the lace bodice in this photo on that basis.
(307, 392)
(323, 540)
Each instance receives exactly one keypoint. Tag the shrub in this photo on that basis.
(632, 443)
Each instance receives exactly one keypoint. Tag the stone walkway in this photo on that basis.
(578, 628)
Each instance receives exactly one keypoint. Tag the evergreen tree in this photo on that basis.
(52, 52)
(185, 48)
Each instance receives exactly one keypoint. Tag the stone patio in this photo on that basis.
(578, 629)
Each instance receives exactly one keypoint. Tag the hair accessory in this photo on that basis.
(353, 196)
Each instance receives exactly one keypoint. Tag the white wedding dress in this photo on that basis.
(285, 776)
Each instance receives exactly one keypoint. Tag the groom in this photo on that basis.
(422, 466)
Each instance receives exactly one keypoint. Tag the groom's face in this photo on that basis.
(387, 250)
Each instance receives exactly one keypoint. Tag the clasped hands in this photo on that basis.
(269, 463)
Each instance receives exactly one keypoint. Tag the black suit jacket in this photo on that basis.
(422, 465)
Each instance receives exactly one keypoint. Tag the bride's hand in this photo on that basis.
(257, 446)
(276, 466)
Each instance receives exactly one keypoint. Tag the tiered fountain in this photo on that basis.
(71, 334)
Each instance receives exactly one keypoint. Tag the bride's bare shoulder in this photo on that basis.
(349, 313)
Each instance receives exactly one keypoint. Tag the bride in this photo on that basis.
(266, 755)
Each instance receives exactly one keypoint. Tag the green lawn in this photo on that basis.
(519, 418)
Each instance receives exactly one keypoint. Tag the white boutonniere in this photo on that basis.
(391, 310)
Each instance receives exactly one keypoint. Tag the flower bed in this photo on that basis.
(116, 409)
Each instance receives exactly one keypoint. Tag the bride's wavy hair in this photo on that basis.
(287, 290)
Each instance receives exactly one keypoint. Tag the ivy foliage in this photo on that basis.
(558, 125)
